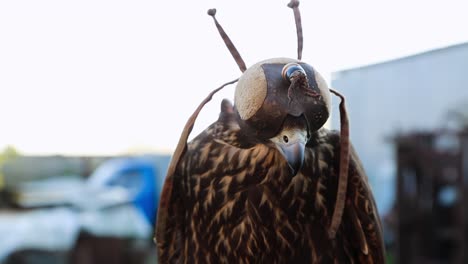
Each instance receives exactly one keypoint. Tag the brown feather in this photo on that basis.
(234, 200)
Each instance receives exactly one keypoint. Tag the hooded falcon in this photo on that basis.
(266, 182)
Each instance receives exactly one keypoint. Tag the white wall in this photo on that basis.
(407, 94)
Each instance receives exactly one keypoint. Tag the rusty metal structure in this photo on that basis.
(432, 179)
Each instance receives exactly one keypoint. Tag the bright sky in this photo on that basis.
(107, 76)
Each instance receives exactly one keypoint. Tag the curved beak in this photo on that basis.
(294, 155)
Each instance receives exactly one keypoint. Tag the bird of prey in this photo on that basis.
(267, 183)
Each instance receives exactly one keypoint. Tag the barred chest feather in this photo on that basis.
(244, 204)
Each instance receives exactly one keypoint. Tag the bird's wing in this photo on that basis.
(168, 226)
(359, 236)
(361, 218)
(361, 227)
(195, 159)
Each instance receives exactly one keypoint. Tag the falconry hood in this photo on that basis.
(265, 95)
(270, 90)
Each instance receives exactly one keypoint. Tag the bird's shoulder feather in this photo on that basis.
(360, 232)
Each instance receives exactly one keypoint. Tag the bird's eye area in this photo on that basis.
(291, 68)
(285, 139)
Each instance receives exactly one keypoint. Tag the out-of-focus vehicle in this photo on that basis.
(107, 218)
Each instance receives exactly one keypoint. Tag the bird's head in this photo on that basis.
(284, 101)
(270, 90)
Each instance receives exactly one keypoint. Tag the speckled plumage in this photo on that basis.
(234, 200)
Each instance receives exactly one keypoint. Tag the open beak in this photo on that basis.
(294, 155)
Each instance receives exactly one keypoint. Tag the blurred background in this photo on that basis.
(94, 95)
